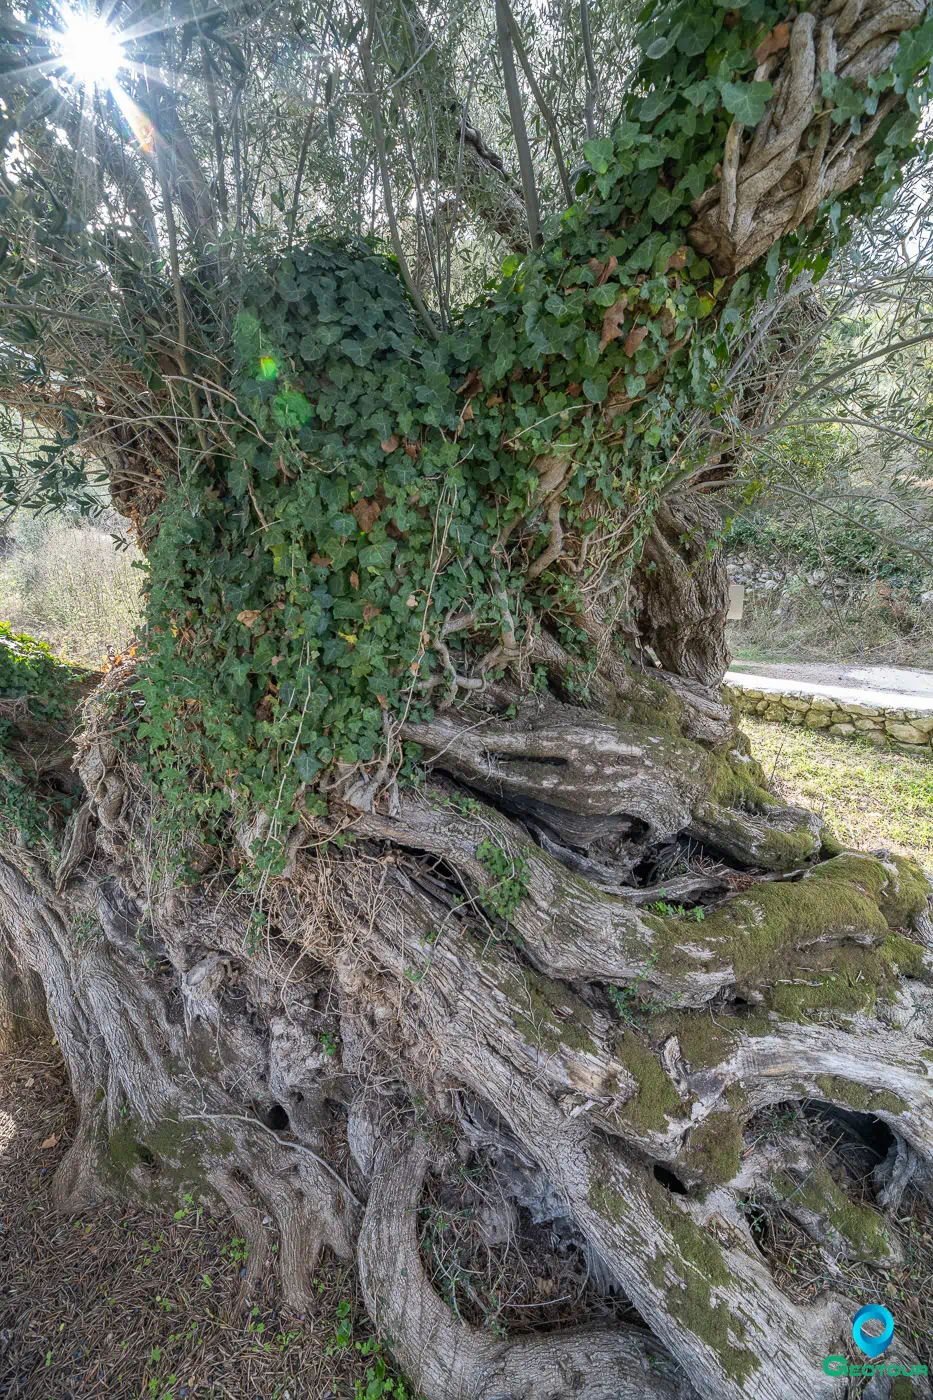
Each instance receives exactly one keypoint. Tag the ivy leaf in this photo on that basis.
(657, 40)
(605, 296)
(599, 154)
(697, 93)
(655, 103)
(307, 767)
(595, 389)
(662, 204)
(693, 183)
(850, 103)
(699, 34)
(291, 409)
(914, 51)
(746, 101)
(773, 262)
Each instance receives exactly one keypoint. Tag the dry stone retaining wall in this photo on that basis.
(909, 731)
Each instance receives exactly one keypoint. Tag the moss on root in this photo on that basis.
(689, 1272)
(737, 786)
(905, 895)
(171, 1151)
(859, 1227)
(653, 705)
(551, 1016)
(759, 932)
(714, 1151)
(858, 1096)
(656, 1100)
(703, 1041)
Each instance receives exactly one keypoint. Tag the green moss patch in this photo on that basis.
(689, 1272)
(862, 1228)
(657, 1100)
(171, 1150)
(550, 1015)
(759, 932)
(714, 1150)
(854, 1095)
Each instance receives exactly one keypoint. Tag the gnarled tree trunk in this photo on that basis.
(563, 977)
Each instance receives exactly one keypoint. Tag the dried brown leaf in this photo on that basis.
(612, 321)
(366, 513)
(603, 271)
(634, 338)
(473, 384)
(773, 43)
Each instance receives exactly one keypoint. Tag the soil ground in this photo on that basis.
(136, 1305)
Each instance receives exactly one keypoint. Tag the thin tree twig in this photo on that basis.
(517, 117)
(592, 91)
(379, 136)
(539, 98)
(294, 1146)
(303, 156)
(849, 368)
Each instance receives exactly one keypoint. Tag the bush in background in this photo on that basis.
(865, 549)
(874, 621)
(73, 584)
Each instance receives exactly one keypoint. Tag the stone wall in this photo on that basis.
(779, 582)
(906, 730)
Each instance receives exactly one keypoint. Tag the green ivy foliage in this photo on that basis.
(37, 692)
(362, 486)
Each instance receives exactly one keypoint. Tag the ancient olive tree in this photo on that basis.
(413, 856)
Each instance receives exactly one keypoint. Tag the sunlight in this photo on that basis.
(90, 49)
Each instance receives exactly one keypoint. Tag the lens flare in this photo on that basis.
(90, 49)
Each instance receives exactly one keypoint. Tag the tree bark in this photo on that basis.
(582, 958)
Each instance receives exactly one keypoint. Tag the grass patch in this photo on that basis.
(871, 800)
(66, 583)
(872, 623)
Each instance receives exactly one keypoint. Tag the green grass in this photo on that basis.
(870, 799)
(873, 624)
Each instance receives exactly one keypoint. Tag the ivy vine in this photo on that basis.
(354, 518)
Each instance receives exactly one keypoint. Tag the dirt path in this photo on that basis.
(898, 680)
